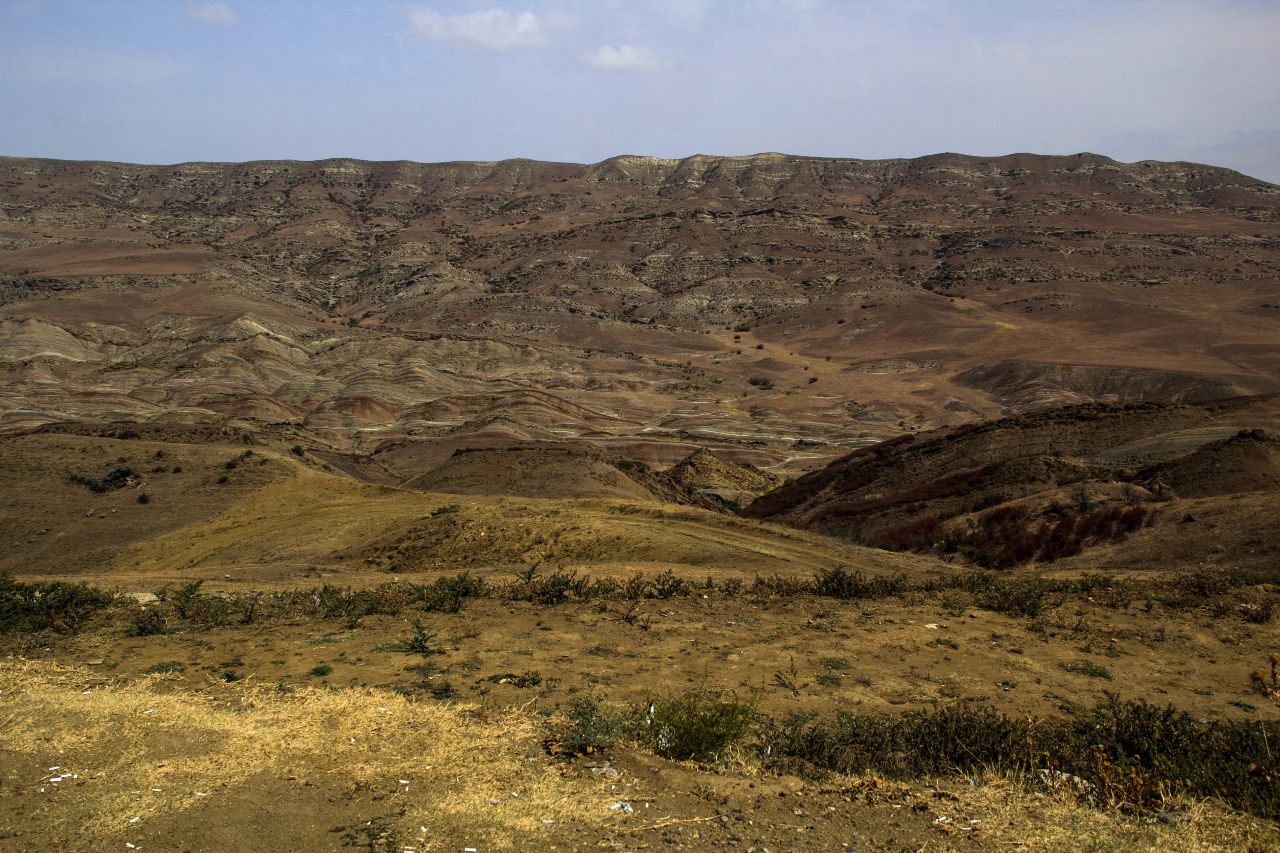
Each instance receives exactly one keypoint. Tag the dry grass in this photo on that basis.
(124, 740)
(1016, 814)
(314, 520)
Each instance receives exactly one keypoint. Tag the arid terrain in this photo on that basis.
(759, 503)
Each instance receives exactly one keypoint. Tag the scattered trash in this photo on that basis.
(620, 806)
(493, 801)
(546, 821)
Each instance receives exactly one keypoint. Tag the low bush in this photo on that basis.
(695, 726)
(1129, 754)
(52, 606)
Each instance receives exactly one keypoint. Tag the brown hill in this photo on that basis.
(1048, 485)
(773, 308)
(540, 472)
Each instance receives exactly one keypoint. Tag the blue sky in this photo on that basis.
(162, 81)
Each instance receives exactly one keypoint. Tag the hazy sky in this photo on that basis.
(161, 81)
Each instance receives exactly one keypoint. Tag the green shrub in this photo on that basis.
(148, 622)
(592, 727)
(839, 582)
(696, 726)
(50, 606)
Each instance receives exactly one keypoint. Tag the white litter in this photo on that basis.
(620, 806)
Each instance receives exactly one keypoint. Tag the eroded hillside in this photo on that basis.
(778, 309)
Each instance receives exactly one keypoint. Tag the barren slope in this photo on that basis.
(779, 309)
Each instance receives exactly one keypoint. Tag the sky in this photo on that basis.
(165, 81)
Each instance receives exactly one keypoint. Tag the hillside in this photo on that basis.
(781, 310)
(1146, 486)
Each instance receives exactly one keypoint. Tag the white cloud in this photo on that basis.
(625, 57)
(212, 14)
(491, 29)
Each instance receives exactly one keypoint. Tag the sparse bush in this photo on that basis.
(148, 622)
(53, 606)
(592, 727)
(449, 594)
(696, 726)
(117, 479)
(839, 582)
(421, 641)
(668, 585)
(321, 670)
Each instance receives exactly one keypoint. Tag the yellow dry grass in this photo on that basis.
(1011, 814)
(144, 753)
(314, 520)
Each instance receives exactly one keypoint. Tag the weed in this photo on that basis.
(446, 510)
(420, 642)
(788, 679)
(321, 671)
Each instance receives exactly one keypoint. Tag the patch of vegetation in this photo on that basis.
(165, 667)
(321, 670)
(117, 479)
(420, 642)
(1129, 754)
(148, 622)
(446, 510)
(839, 582)
(522, 680)
(592, 727)
(51, 606)
(695, 726)
(1090, 669)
